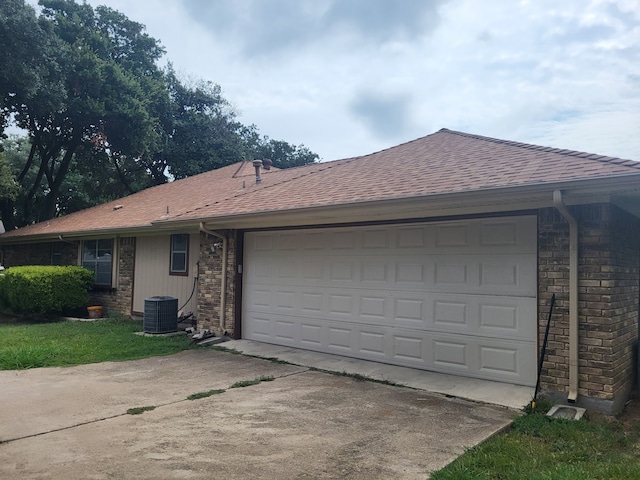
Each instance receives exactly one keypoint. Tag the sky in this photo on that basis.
(351, 77)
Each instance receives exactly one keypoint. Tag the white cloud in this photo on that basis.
(565, 74)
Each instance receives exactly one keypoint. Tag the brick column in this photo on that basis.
(120, 299)
(609, 271)
(210, 282)
(553, 278)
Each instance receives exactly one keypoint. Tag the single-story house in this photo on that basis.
(441, 254)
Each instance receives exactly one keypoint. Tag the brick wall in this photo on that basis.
(608, 290)
(120, 298)
(40, 254)
(625, 290)
(210, 281)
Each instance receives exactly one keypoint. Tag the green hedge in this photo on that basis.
(45, 289)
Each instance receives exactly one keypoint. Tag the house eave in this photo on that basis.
(75, 236)
(622, 190)
(477, 202)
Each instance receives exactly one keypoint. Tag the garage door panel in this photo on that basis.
(499, 359)
(284, 330)
(311, 335)
(503, 236)
(451, 314)
(451, 355)
(409, 348)
(376, 239)
(288, 241)
(466, 274)
(453, 297)
(341, 305)
(260, 328)
(462, 354)
(340, 338)
(372, 344)
(482, 315)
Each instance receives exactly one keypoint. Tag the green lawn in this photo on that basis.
(74, 343)
(540, 448)
(534, 448)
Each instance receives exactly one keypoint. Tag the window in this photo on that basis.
(179, 254)
(97, 256)
(56, 253)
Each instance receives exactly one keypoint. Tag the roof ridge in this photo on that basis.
(558, 151)
(240, 167)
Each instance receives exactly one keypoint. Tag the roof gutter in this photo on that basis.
(573, 294)
(62, 239)
(223, 276)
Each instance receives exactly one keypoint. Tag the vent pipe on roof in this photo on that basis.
(266, 163)
(573, 294)
(258, 164)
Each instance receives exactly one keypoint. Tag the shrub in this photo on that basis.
(45, 289)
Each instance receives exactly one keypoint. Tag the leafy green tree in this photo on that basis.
(281, 153)
(103, 119)
(16, 151)
(29, 71)
(107, 64)
(203, 133)
(8, 184)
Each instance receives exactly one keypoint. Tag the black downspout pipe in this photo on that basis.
(543, 353)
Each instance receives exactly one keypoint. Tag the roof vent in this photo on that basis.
(266, 163)
(118, 207)
(257, 164)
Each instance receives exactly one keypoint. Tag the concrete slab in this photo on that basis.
(73, 422)
(496, 393)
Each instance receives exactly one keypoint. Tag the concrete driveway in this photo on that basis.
(72, 423)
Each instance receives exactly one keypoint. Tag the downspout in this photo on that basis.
(223, 281)
(573, 295)
(78, 244)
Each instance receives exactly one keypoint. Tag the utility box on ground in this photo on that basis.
(160, 315)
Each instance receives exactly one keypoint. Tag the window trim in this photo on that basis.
(179, 273)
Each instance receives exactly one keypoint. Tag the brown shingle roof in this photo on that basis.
(443, 162)
(156, 203)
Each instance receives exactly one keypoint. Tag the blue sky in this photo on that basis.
(350, 77)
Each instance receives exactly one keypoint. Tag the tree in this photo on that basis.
(102, 116)
(202, 132)
(281, 153)
(28, 69)
(8, 184)
(15, 151)
(108, 65)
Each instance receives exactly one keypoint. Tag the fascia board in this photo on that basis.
(96, 234)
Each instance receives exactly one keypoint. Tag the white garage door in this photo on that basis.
(454, 297)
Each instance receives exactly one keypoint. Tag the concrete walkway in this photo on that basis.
(496, 393)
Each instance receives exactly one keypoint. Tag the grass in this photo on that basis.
(209, 393)
(248, 383)
(539, 448)
(57, 344)
(139, 410)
